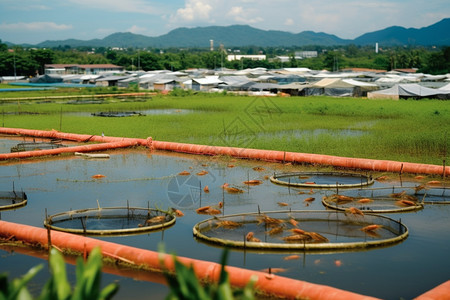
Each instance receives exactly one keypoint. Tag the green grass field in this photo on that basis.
(405, 130)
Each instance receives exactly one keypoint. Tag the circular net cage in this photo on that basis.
(433, 195)
(305, 230)
(374, 201)
(110, 221)
(322, 179)
(32, 146)
(12, 200)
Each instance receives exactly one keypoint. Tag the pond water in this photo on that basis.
(149, 179)
(166, 111)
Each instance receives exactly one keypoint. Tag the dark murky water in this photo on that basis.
(143, 179)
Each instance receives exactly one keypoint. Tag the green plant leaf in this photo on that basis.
(109, 291)
(19, 284)
(61, 287)
(88, 277)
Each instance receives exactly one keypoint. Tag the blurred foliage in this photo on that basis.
(184, 285)
(87, 287)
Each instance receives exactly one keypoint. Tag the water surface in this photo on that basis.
(146, 179)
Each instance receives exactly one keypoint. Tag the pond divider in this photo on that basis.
(314, 159)
(83, 148)
(268, 284)
(267, 155)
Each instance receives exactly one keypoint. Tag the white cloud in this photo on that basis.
(34, 26)
(289, 22)
(24, 5)
(241, 15)
(128, 6)
(137, 30)
(194, 10)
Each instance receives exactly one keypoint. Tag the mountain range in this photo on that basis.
(243, 35)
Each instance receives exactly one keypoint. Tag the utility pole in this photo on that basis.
(15, 74)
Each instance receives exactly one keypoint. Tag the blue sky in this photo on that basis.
(34, 21)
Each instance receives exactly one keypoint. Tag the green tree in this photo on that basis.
(41, 58)
(149, 61)
(3, 47)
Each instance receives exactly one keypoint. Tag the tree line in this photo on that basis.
(20, 61)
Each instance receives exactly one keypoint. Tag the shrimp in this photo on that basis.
(184, 173)
(282, 204)
(201, 173)
(340, 199)
(409, 197)
(317, 237)
(296, 238)
(293, 222)
(249, 236)
(202, 209)
(156, 219)
(382, 178)
(258, 169)
(178, 212)
(405, 203)
(291, 257)
(276, 230)
(419, 188)
(213, 211)
(233, 190)
(298, 231)
(372, 227)
(354, 211)
(228, 224)
(253, 182)
(398, 195)
(98, 176)
(434, 182)
(364, 200)
(269, 220)
(309, 199)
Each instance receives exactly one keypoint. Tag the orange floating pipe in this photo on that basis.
(268, 155)
(83, 148)
(441, 292)
(54, 134)
(280, 156)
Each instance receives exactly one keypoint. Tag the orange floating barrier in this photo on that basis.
(268, 155)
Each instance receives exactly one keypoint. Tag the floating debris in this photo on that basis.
(98, 176)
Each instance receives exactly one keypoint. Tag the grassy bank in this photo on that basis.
(405, 130)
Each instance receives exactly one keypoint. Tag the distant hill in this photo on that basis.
(230, 36)
(244, 35)
(436, 34)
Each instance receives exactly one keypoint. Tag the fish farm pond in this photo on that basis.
(231, 188)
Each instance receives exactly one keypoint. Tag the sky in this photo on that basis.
(35, 21)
